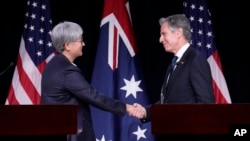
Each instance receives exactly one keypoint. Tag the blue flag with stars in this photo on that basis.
(117, 74)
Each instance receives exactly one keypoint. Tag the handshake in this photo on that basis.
(136, 110)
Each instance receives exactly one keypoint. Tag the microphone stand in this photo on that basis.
(6, 69)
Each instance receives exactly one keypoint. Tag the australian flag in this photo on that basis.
(117, 75)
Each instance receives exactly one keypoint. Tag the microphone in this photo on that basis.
(10, 65)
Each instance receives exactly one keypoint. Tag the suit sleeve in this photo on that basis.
(148, 115)
(201, 79)
(78, 86)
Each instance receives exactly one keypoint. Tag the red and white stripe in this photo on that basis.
(219, 84)
(26, 82)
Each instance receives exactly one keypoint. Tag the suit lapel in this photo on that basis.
(179, 68)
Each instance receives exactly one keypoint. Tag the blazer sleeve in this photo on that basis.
(201, 79)
(78, 86)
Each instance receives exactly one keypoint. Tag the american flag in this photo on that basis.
(117, 75)
(204, 40)
(35, 51)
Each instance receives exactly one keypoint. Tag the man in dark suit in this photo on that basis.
(64, 83)
(189, 80)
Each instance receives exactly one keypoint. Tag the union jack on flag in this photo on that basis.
(203, 40)
(35, 51)
(117, 74)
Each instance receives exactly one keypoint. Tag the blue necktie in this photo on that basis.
(174, 62)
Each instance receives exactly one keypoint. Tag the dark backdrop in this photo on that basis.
(227, 18)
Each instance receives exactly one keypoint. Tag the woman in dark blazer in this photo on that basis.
(64, 83)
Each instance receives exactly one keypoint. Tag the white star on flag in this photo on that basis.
(132, 86)
(140, 133)
(102, 139)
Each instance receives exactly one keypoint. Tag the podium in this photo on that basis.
(37, 122)
(199, 121)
